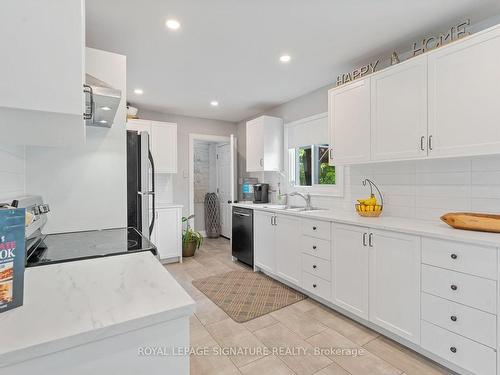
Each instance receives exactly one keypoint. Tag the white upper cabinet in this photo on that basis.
(163, 142)
(349, 123)
(42, 72)
(164, 146)
(264, 149)
(395, 283)
(399, 111)
(464, 92)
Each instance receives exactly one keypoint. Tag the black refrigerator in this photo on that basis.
(140, 183)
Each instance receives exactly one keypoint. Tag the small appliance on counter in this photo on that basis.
(247, 188)
(42, 249)
(261, 193)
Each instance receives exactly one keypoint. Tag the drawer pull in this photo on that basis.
(453, 349)
(314, 285)
(314, 266)
(314, 247)
(453, 287)
(453, 318)
(454, 256)
(314, 228)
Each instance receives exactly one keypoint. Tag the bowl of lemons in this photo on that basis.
(370, 207)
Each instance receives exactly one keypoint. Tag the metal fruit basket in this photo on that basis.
(373, 211)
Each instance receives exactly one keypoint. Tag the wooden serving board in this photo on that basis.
(473, 221)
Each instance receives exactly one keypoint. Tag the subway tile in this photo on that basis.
(443, 165)
(451, 178)
(450, 203)
(485, 178)
(486, 163)
(485, 205)
(485, 191)
(462, 191)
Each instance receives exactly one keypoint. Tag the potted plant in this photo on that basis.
(191, 239)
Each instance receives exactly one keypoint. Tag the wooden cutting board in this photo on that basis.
(473, 221)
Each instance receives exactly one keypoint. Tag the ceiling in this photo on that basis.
(228, 50)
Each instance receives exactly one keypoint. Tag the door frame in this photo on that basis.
(199, 137)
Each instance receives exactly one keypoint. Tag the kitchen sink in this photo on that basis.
(302, 209)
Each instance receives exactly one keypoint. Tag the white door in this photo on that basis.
(395, 283)
(287, 245)
(350, 268)
(255, 145)
(264, 241)
(349, 123)
(164, 146)
(224, 186)
(399, 111)
(168, 233)
(464, 92)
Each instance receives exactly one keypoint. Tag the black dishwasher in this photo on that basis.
(242, 238)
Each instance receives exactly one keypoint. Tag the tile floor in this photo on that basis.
(306, 325)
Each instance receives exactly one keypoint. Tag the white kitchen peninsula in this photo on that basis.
(97, 316)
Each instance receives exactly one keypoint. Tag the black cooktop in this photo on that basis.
(67, 247)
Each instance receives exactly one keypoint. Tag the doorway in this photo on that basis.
(212, 169)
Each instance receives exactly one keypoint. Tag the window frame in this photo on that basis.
(336, 190)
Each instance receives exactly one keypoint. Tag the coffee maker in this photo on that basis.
(261, 193)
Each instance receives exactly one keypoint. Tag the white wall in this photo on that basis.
(12, 171)
(185, 126)
(86, 186)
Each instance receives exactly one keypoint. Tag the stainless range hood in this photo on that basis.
(101, 102)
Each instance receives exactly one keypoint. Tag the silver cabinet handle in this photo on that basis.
(422, 139)
(364, 239)
(330, 153)
(370, 240)
(276, 220)
(430, 142)
(89, 112)
(271, 218)
(261, 162)
(241, 214)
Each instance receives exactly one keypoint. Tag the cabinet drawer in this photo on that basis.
(316, 266)
(470, 355)
(317, 229)
(466, 321)
(470, 290)
(467, 258)
(317, 247)
(316, 285)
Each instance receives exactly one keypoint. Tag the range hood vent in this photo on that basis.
(101, 102)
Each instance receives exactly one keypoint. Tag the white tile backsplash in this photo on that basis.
(12, 172)
(423, 189)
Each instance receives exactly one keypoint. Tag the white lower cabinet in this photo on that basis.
(264, 241)
(350, 269)
(167, 233)
(395, 283)
(287, 245)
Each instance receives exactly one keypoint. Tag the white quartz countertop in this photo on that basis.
(428, 228)
(69, 304)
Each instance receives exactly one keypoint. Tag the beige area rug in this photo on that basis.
(246, 295)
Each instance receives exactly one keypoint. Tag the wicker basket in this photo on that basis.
(369, 213)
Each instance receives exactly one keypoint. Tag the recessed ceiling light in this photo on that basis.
(106, 108)
(103, 122)
(285, 58)
(138, 91)
(173, 24)
(214, 103)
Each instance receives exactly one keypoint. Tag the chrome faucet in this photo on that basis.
(306, 197)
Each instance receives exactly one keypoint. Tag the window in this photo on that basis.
(307, 158)
(310, 163)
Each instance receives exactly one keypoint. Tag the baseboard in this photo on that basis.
(203, 233)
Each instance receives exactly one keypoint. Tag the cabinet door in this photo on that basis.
(350, 268)
(349, 123)
(399, 111)
(395, 283)
(464, 92)
(168, 233)
(164, 146)
(288, 236)
(264, 241)
(255, 146)
(42, 72)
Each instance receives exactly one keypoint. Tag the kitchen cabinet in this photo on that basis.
(264, 148)
(264, 241)
(350, 269)
(167, 233)
(287, 245)
(349, 123)
(464, 87)
(42, 72)
(399, 111)
(163, 142)
(394, 278)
